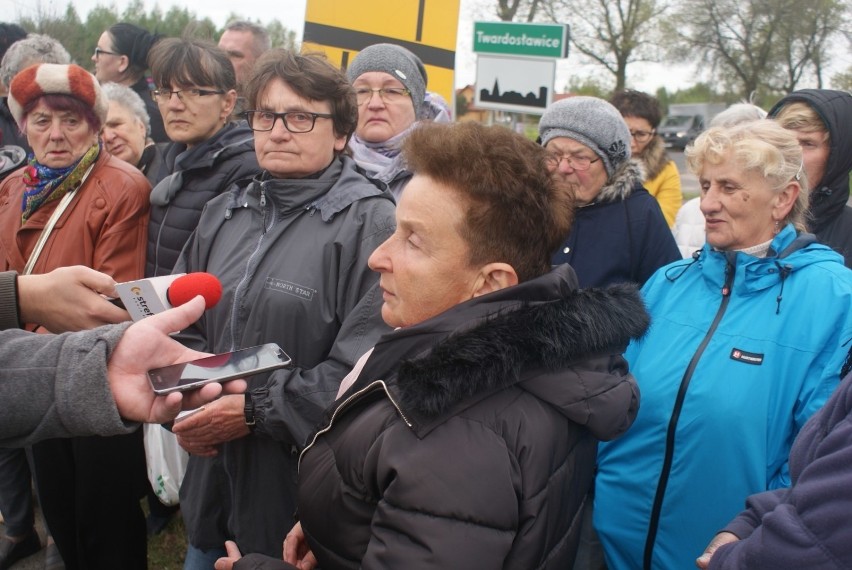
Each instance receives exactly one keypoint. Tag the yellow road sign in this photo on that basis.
(342, 28)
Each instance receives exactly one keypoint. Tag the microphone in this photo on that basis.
(146, 297)
(187, 287)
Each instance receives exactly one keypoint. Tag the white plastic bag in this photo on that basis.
(166, 463)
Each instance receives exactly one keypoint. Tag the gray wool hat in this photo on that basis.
(395, 61)
(592, 122)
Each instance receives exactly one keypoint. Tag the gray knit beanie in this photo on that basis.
(592, 122)
(397, 62)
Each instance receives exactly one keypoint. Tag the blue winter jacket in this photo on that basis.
(740, 353)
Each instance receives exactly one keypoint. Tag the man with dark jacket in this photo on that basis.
(821, 119)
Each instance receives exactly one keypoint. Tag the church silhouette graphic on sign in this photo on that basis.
(513, 97)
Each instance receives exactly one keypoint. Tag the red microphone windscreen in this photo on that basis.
(186, 287)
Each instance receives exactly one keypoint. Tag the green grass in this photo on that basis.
(167, 549)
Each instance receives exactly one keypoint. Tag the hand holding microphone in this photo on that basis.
(147, 297)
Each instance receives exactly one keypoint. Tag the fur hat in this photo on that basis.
(592, 122)
(395, 61)
(51, 78)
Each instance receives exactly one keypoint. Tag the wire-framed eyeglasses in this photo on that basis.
(294, 121)
(574, 161)
(165, 95)
(386, 94)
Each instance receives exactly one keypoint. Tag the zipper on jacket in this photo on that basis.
(345, 404)
(248, 271)
(662, 483)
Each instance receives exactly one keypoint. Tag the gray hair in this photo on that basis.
(35, 48)
(130, 100)
(738, 113)
(262, 43)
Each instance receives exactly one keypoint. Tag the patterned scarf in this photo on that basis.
(44, 184)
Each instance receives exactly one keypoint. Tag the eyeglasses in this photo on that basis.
(642, 136)
(386, 94)
(576, 162)
(165, 95)
(99, 52)
(294, 121)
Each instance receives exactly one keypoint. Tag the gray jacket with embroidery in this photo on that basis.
(292, 258)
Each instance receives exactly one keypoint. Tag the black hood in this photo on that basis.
(835, 109)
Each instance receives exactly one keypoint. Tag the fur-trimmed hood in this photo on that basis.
(622, 183)
(655, 158)
(564, 348)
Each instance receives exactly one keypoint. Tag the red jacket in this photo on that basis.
(104, 226)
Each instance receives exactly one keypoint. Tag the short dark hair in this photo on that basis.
(517, 214)
(632, 103)
(312, 77)
(190, 61)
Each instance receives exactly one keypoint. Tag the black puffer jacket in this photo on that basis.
(478, 449)
(830, 219)
(187, 180)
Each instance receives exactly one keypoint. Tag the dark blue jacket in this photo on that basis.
(807, 525)
(620, 237)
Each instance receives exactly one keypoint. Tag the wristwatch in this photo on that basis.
(248, 411)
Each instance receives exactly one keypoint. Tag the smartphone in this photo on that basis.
(218, 368)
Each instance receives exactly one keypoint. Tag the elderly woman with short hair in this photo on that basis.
(466, 437)
(290, 246)
(75, 204)
(126, 132)
(747, 341)
(619, 233)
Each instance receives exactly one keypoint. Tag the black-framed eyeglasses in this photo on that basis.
(99, 52)
(642, 136)
(294, 121)
(386, 94)
(165, 95)
(575, 162)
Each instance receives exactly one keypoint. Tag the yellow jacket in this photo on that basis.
(665, 187)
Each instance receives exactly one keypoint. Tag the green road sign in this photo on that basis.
(532, 40)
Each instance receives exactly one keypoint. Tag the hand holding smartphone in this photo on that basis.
(218, 368)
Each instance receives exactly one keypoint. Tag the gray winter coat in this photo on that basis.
(66, 394)
(292, 257)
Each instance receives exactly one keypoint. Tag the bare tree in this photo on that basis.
(612, 33)
(508, 10)
(754, 45)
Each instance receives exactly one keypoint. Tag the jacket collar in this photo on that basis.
(655, 158)
(527, 335)
(622, 183)
(330, 192)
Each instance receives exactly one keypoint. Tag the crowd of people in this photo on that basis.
(506, 353)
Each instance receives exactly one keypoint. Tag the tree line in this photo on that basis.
(80, 37)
